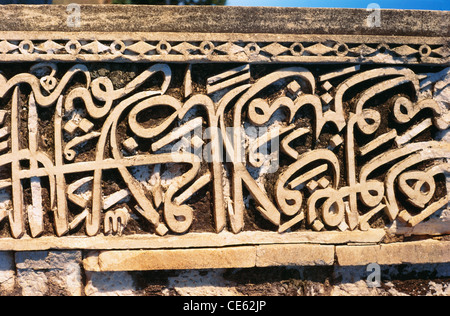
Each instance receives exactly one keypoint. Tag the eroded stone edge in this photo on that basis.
(417, 252)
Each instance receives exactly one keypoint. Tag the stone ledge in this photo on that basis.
(417, 252)
(294, 255)
(142, 260)
(43, 260)
(197, 19)
(268, 256)
(212, 258)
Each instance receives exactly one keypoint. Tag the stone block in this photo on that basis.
(202, 283)
(49, 273)
(417, 252)
(109, 284)
(294, 255)
(32, 282)
(214, 258)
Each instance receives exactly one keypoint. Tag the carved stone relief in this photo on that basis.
(169, 148)
(219, 47)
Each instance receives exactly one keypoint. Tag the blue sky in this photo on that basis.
(384, 4)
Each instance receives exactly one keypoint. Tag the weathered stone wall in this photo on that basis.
(214, 153)
(61, 273)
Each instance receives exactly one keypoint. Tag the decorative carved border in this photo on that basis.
(245, 48)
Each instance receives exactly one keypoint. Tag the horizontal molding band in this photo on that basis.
(193, 240)
(269, 256)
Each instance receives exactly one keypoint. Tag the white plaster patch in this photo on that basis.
(109, 284)
(195, 283)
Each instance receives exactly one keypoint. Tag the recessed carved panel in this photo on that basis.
(167, 148)
(175, 131)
